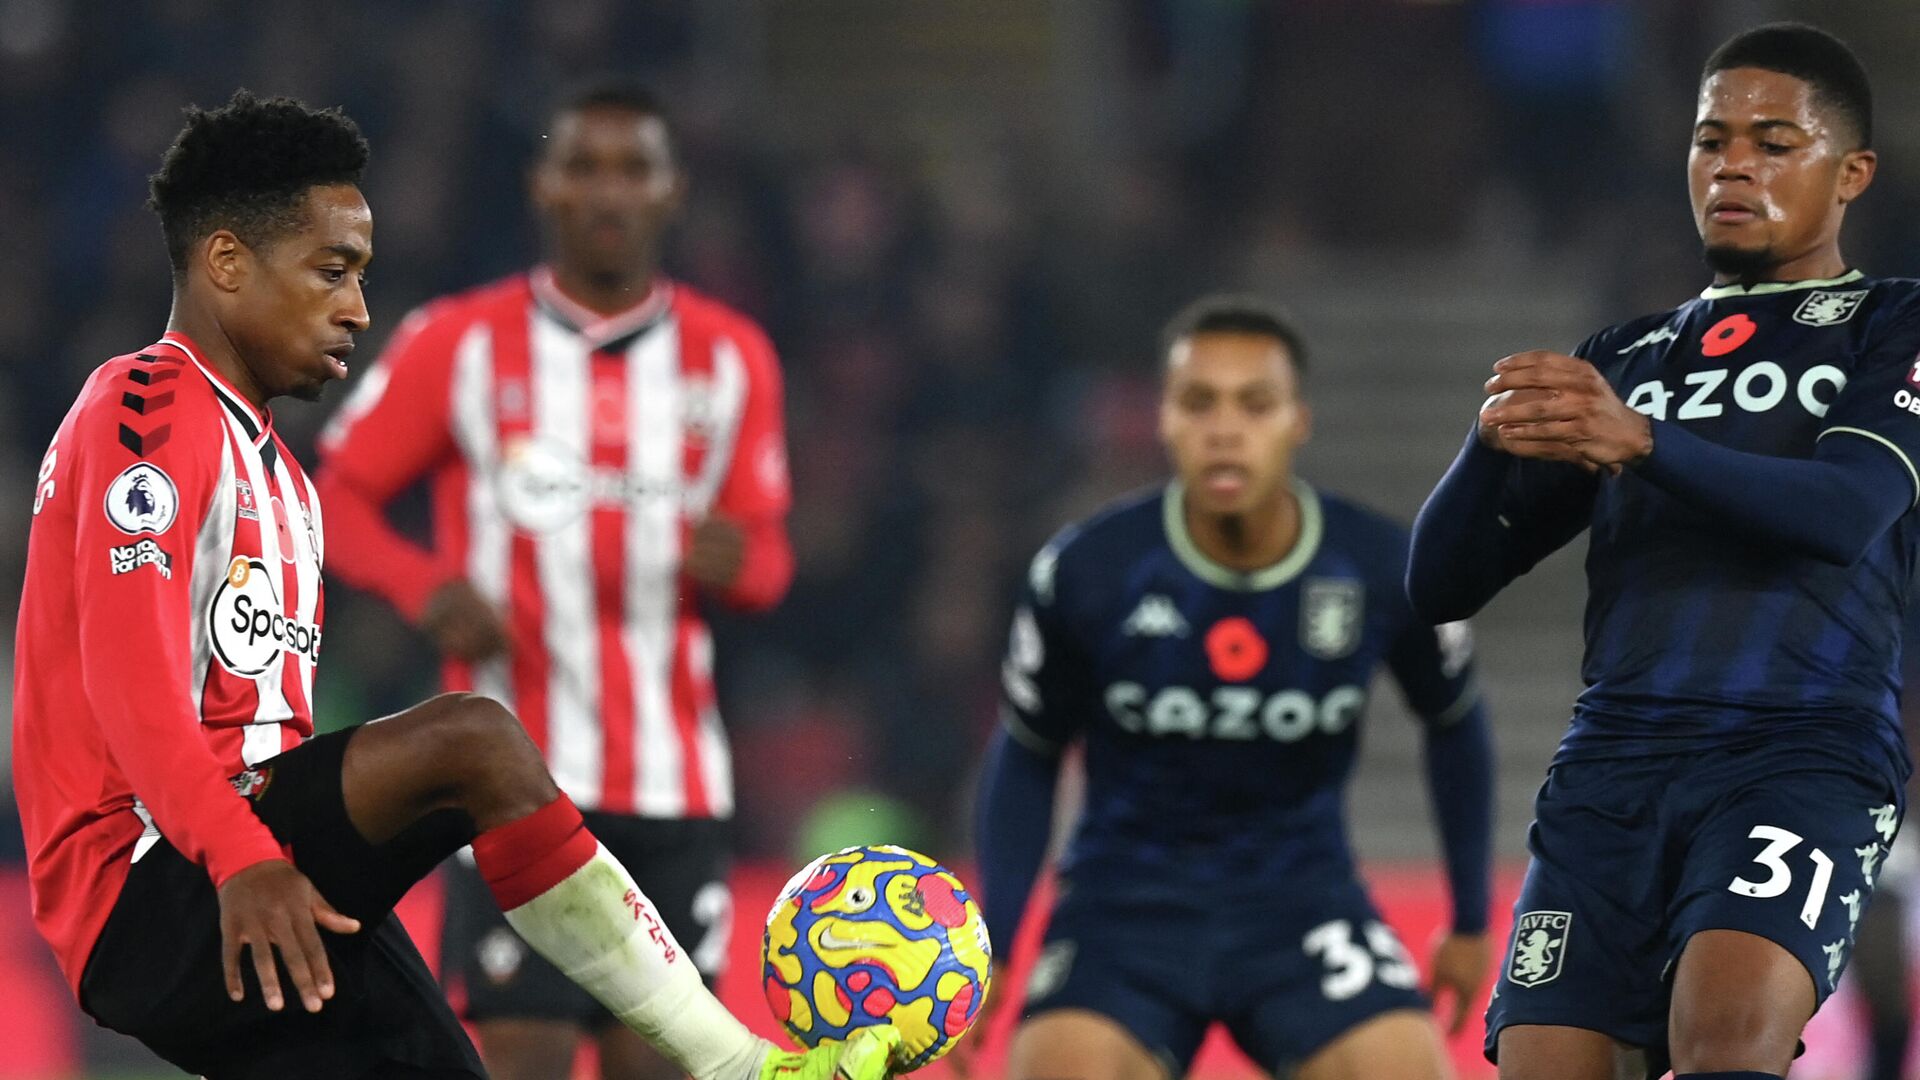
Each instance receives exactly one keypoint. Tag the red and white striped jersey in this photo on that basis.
(568, 456)
(168, 631)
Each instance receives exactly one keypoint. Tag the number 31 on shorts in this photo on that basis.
(1780, 842)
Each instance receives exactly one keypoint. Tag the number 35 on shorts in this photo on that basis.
(1352, 965)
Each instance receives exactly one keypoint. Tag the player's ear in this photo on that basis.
(226, 260)
(1856, 172)
(1302, 422)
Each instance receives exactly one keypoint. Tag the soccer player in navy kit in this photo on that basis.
(1211, 644)
(1712, 824)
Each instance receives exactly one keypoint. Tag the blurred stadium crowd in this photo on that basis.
(962, 225)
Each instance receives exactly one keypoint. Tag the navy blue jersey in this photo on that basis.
(1694, 635)
(1220, 710)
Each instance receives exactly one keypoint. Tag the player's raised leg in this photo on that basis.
(562, 892)
(1079, 1044)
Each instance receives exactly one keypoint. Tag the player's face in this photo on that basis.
(295, 308)
(1231, 417)
(1770, 174)
(605, 188)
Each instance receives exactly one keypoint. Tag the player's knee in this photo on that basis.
(1735, 1036)
(466, 734)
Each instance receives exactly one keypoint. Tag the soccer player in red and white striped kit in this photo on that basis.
(181, 819)
(604, 451)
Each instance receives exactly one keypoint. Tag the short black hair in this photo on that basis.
(247, 166)
(1236, 313)
(609, 92)
(1813, 56)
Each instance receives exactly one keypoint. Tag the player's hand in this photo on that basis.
(462, 623)
(715, 552)
(1459, 968)
(870, 1053)
(271, 906)
(1578, 412)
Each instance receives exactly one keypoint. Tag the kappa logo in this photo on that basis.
(1156, 617)
(1539, 947)
(1330, 616)
(1050, 970)
(1836, 959)
(1870, 860)
(142, 499)
(1886, 821)
(1854, 900)
(500, 952)
(1665, 333)
(1825, 308)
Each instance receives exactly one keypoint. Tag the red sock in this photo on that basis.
(524, 858)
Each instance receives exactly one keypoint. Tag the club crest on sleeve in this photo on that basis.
(1823, 307)
(142, 499)
(1331, 611)
(1539, 947)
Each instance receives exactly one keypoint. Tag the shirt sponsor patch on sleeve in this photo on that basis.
(143, 552)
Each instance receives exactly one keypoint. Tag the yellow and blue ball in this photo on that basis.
(874, 935)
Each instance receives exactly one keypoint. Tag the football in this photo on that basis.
(874, 935)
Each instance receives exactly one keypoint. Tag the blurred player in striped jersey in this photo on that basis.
(605, 451)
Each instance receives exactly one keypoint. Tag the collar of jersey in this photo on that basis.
(1721, 292)
(259, 422)
(592, 325)
(1173, 514)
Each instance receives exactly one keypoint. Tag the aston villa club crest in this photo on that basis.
(1331, 613)
(1539, 947)
(1823, 307)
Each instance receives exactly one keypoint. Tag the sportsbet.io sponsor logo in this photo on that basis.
(247, 625)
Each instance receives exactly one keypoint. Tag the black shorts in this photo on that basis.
(155, 972)
(680, 864)
(1633, 857)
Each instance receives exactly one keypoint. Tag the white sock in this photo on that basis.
(602, 932)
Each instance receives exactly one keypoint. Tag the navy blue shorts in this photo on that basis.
(1631, 858)
(1286, 976)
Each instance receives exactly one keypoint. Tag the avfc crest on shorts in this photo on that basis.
(1826, 308)
(1331, 613)
(1539, 947)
